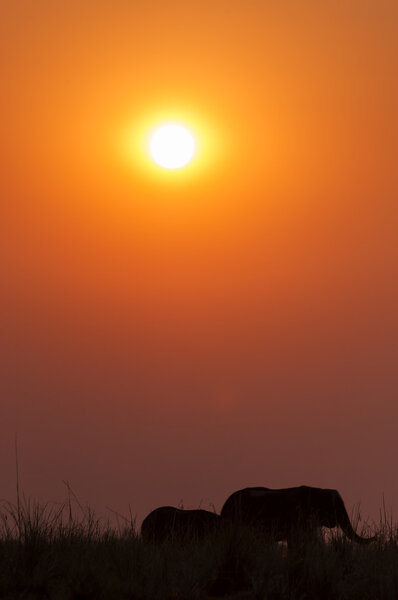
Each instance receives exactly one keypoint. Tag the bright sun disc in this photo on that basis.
(172, 146)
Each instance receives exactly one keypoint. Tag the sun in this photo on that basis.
(172, 146)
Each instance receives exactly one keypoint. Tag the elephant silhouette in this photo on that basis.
(287, 513)
(168, 522)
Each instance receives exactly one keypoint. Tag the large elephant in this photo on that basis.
(168, 522)
(286, 513)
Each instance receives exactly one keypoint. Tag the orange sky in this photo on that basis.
(177, 336)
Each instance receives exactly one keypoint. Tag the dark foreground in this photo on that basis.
(47, 553)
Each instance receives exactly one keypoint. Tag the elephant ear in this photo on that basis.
(337, 505)
(327, 504)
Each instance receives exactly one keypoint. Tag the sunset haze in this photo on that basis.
(174, 335)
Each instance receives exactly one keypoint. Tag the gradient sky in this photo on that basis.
(171, 337)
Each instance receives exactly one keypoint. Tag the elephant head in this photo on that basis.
(168, 522)
(328, 509)
(281, 513)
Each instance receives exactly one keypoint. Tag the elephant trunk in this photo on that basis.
(344, 521)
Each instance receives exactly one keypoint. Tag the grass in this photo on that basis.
(63, 552)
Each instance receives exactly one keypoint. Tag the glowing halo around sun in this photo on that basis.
(172, 146)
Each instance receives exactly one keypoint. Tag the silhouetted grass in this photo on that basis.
(62, 551)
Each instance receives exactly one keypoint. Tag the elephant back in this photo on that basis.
(168, 522)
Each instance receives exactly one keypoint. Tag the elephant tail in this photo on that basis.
(344, 521)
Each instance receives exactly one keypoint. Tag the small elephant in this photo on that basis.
(171, 523)
(284, 513)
